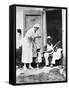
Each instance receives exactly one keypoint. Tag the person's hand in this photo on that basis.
(34, 40)
(30, 38)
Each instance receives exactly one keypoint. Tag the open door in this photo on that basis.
(54, 25)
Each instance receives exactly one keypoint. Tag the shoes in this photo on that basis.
(24, 68)
(51, 65)
(47, 65)
(30, 67)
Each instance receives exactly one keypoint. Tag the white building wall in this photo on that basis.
(64, 32)
(19, 25)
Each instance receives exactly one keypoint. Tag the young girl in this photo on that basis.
(39, 57)
(57, 55)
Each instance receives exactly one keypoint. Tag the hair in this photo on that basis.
(38, 50)
(19, 31)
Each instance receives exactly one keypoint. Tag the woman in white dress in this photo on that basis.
(27, 46)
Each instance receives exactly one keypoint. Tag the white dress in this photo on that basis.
(56, 55)
(27, 46)
(39, 57)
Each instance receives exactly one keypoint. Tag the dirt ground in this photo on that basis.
(40, 75)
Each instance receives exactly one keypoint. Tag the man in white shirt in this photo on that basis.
(49, 49)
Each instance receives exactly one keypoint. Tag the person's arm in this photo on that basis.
(30, 38)
(37, 37)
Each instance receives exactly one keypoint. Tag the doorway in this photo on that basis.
(54, 25)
